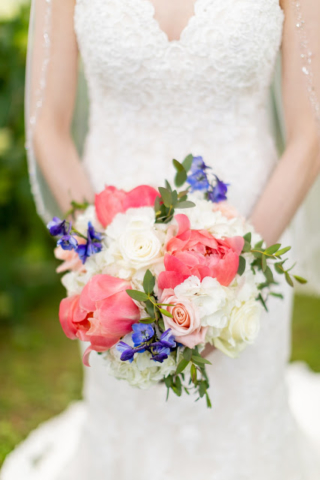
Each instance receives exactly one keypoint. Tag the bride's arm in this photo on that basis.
(300, 164)
(54, 147)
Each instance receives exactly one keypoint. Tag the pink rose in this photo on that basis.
(101, 314)
(71, 260)
(185, 322)
(197, 252)
(112, 201)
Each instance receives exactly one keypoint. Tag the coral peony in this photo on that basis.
(197, 252)
(101, 314)
(112, 201)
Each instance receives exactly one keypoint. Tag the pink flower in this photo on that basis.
(101, 314)
(197, 252)
(226, 209)
(112, 201)
(185, 322)
(71, 260)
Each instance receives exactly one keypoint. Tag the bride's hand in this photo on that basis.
(208, 349)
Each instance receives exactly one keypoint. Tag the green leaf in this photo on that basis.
(248, 237)
(200, 360)
(242, 265)
(272, 249)
(149, 282)
(147, 321)
(180, 178)
(282, 251)
(202, 389)
(289, 279)
(166, 196)
(261, 299)
(182, 366)
(209, 405)
(277, 295)
(174, 197)
(150, 308)
(193, 373)
(263, 263)
(269, 275)
(178, 166)
(137, 295)
(161, 324)
(168, 186)
(187, 162)
(187, 354)
(278, 268)
(246, 247)
(165, 313)
(300, 279)
(185, 204)
(186, 390)
(168, 381)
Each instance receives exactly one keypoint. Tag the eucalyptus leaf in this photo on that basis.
(209, 405)
(277, 295)
(187, 162)
(282, 251)
(182, 366)
(147, 321)
(300, 279)
(187, 354)
(165, 313)
(137, 295)
(185, 204)
(193, 372)
(272, 249)
(180, 178)
(248, 237)
(178, 166)
(261, 299)
(242, 265)
(166, 196)
(168, 186)
(200, 360)
(149, 282)
(263, 263)
(288, 279)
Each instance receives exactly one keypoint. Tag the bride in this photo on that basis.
(166, 78)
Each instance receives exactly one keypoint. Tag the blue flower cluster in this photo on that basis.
(198, 179)
(143, 340)
(67, 238)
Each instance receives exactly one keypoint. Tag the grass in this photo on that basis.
(41, 372)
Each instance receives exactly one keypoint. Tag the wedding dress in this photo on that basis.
(152, 99)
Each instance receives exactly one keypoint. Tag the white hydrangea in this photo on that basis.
(89, 215)
(143, 372)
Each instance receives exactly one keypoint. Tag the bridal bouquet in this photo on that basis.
(154, 275)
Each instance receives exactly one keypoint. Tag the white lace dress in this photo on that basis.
(152, 100)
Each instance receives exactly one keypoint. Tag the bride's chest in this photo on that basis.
(222, 37)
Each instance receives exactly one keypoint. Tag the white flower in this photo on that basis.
(242, 329)
(210, 299)
(142, 372)
(134, 241)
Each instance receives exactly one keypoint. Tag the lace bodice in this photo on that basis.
(152, 99)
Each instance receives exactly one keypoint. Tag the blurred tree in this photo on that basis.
(26, 260)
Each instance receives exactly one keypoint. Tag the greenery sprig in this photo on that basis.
(170, 199)
(198, 382)
(265, 260)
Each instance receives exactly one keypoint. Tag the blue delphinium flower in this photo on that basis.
(159, 352)
(91, 247)
(57, 227)
(198, 181)
(167, 339)
(67, 242)
(142, 333)
(198, 164)
(218, 193)
(127, 352)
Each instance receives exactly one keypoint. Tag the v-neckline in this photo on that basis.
(155, 21)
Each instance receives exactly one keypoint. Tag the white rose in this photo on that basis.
(242, 329)
(139, 247)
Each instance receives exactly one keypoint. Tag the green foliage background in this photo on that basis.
(40, 369)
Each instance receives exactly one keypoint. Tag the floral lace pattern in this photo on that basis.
(152, 99)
